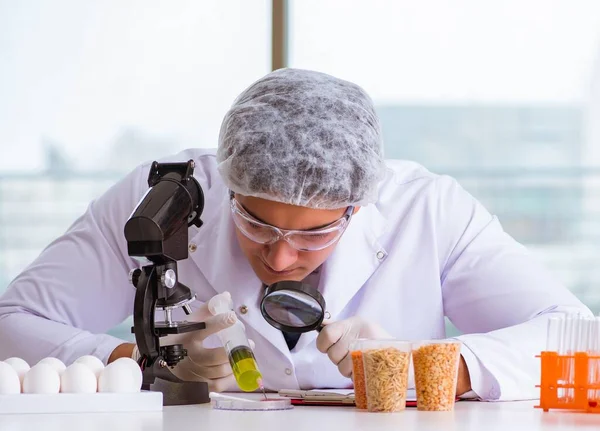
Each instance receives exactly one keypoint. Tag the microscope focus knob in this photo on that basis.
(168, 279)
(134, 276)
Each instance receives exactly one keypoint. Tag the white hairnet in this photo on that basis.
(302, 138)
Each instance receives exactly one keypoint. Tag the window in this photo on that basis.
(91, 89)
(504, 96)
(501, 95)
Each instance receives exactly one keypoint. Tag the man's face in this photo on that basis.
(280, 261)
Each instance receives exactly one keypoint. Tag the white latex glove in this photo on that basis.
(205, 364)
(335, 339)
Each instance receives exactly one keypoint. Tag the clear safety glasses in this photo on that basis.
(301, 240)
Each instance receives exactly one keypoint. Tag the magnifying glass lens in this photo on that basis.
(295, 309)
(293, 306)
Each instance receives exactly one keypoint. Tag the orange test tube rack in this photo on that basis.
(584, 387)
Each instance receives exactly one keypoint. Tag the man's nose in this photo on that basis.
(281, 255)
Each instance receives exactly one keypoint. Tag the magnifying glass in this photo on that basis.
(293, 306)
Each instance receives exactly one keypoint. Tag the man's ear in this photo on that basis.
(355, 210)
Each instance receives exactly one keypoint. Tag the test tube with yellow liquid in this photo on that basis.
(236, 344)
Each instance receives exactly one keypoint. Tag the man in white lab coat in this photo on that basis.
(393, 248)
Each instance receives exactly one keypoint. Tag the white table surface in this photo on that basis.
(506, 416)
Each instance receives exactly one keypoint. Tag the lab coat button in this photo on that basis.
(288, 371)
(380, 255)
(192, 247)
(243, 309)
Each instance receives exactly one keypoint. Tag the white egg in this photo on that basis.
(78, 379)
(41, 379)
(92, 362)
(55, 363)
(9, 380)
(133, 367)
(118, 377)
(19, 365)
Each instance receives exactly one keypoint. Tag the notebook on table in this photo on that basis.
(332, 397)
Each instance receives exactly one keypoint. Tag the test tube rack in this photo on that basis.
(569, 382)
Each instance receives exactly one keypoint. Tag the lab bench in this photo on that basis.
(468, 415)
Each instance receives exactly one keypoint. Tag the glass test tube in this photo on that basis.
(563, 350)
(554, 334)
(594, 349)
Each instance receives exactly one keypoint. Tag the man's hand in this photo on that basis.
(335, 339)
(463, 384)
(124, 350)
(203, 364)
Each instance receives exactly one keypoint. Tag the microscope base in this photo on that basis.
(180, 393)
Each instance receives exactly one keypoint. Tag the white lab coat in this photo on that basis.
(426, 250)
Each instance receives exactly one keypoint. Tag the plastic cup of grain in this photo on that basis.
(386, 374)
(435, 365)
(358, 373)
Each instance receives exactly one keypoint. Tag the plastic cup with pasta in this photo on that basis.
(436, 373)
(386, 374)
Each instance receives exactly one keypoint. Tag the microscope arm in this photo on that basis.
(158, 231)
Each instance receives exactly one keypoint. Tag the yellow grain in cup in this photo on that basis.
(436, 372)
(386, 374)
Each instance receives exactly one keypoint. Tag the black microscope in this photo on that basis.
(157, 232)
